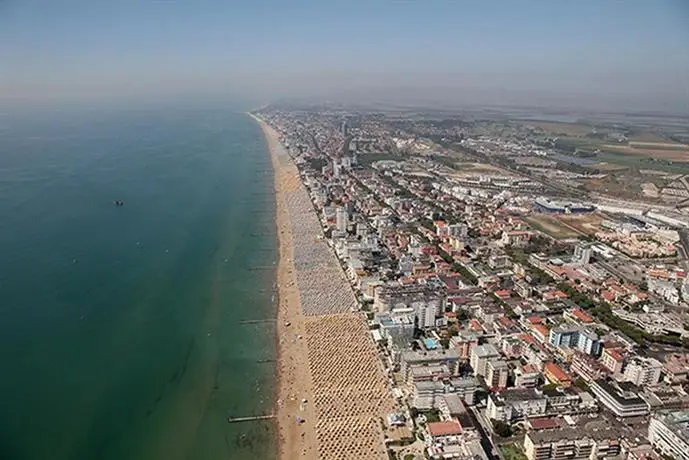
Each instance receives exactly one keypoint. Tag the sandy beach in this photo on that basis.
(331, 394)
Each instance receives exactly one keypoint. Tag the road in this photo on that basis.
(485, 428)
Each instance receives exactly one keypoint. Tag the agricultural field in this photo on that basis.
(658, 145)
(552, 226)
(645, 136)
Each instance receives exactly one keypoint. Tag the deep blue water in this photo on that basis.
(120, 332)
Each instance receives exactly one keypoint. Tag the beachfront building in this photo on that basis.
(572, 444)
(395, 295)
(397, 326)
(341, 219)
(410, 358)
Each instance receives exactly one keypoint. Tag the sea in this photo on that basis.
(134, 331)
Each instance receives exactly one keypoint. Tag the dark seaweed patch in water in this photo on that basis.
(255, 435)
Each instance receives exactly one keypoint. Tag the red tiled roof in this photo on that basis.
(535, 319)
(444, 428)
(502, 293)
(476, 326)
(609, 296)
(614, 354)
(529, 369)
(556, 372)
(582, 316)
(554, 294)
(543, 330)
(544, 423)
(505, 321)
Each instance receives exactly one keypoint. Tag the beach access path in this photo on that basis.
(332, 395)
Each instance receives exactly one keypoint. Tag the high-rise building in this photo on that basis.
(582, 254)
(341, 219)
(345, 129)
(588, 342)
(668, 432)
(564, 337)
(425, 315)
(480, 356)
(496, 374)
(643, 371)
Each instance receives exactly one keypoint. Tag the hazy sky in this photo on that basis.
(634, 52)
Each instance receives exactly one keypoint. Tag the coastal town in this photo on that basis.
(471, 290)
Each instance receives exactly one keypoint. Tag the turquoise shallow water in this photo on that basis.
(120, 332)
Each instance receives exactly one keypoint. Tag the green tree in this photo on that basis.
(502, 428)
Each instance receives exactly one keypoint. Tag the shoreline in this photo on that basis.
(331, 394)
(291, 370)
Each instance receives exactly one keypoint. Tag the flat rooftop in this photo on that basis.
(576, 433)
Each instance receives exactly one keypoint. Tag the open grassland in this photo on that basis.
(677, 152)
(608, 167)
(552, 226)
(587, 224)
(658, 145)
(645, 136)
(567, 129)
(464, 168)
(642, 162)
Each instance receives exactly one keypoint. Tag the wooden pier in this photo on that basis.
(262, 267)
(256, 321)
(250, 418)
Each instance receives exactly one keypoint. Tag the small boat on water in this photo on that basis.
(118, 203)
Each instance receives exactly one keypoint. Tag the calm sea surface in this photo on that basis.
(120, 327)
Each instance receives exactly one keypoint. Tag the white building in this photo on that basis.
(668, 432)
(514, 404)
(497, 372)
(620, 398)
(341, 219)
(582, 254)
(425, 315)
(588, 342)
(480, 356)
(643, 371)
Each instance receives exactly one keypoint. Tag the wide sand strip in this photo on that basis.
(329, 373)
